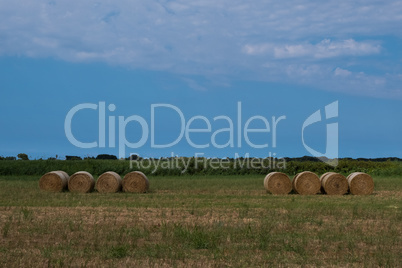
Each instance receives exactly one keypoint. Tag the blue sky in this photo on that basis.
(203, 57)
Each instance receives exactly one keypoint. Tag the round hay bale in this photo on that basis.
(277, 183)
(293, 181)
(306, 183)
(81, 182)
(334, 183)
(54, 181)
(360, 183)
(108, 182)
(135, 182)
(321, 191)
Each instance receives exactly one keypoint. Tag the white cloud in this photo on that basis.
(194, 85)
(210, 38)
(292, 51)
(257, 49)
(324, 76)
(327, 49)
(342, 72)
(324, 49)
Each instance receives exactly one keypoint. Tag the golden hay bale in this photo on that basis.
(81, 182)
(277, 183)
(293, 181)
(54, 181)
(306, 183)
(321, 191)
(135, 182)
(334, 183)
(108, 182)
(360, 183)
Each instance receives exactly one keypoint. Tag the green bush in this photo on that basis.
(23, 156)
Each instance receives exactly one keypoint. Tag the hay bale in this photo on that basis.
(135, 182)
(334, 183)
(277, 183)
(293, 182)
(360, 183)
(321, 191)
(54, 181)
(108, 182)
(306, 183)
(81, 182)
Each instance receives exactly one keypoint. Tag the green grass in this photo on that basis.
(201, 221)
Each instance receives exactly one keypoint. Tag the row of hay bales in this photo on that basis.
(304, 183)
(84, 182)
(308, 183)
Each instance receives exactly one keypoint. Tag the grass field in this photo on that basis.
(199, 221)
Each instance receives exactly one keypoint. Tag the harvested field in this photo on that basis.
(198, 221)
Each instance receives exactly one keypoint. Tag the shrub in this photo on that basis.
(71, 157)
(106, 157)
(23, 156)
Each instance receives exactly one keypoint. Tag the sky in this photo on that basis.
(156, 71)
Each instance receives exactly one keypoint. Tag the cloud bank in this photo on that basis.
(324, 49)
(326, 45)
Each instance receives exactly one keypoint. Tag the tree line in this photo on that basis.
(183, 166)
